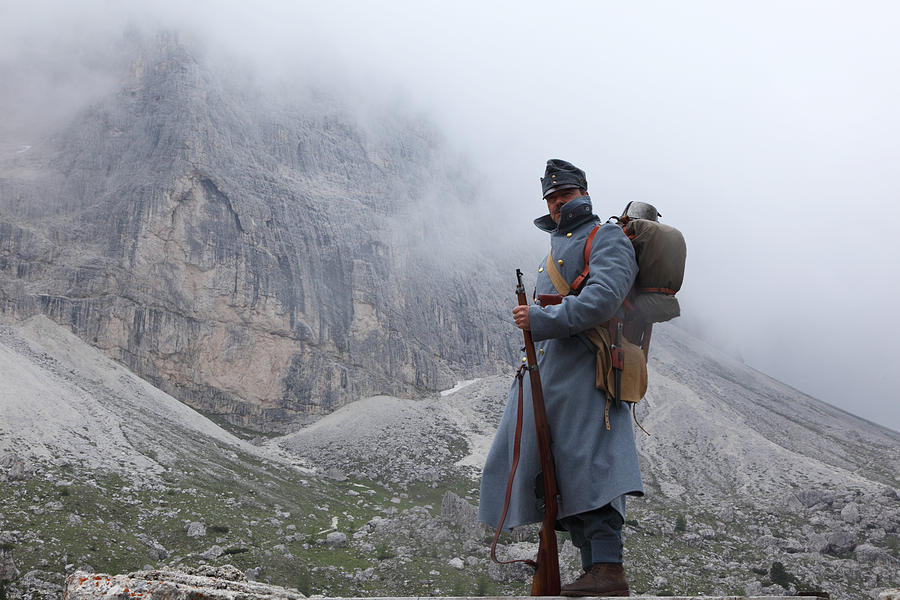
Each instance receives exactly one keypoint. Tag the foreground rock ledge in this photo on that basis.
(214, 583)
(228, 583)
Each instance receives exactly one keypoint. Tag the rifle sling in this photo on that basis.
(512, 474)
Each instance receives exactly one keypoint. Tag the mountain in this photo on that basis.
(752, 487)
(264, 254)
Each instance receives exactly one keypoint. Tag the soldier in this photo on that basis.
(596, 467)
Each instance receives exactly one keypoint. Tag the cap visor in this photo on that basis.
(556, 188)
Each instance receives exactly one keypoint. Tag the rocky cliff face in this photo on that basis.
(262, 257)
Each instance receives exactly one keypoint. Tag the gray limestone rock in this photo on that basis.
(839, 543)
(323, 259)
(850, 513)
(213, 552)
(229, 572)
(8, 570)
(215, 583)
(156, 550)
(460, 513)
(812, 497)
(195, 529)
(40, 585)
(869, 553)
(8, 539)
(336, 474)
(17, 469)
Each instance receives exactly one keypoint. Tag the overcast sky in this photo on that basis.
(768, 132)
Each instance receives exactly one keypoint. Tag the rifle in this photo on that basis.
(546, 575)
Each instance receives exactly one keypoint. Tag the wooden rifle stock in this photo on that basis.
(546, 577)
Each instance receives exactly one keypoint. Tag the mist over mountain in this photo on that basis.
(263, 254)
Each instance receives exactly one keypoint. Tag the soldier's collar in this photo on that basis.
(573, 213)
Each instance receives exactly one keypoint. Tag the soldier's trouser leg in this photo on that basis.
(597, 534)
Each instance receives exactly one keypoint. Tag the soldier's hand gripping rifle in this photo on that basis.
(546, 576)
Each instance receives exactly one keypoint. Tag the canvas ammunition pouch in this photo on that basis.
(633, 383)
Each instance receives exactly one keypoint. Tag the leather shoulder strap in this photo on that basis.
(579, 281)
(562, 286)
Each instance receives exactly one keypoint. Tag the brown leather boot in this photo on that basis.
(602, 579)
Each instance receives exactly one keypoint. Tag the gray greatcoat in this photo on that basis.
(594, 467)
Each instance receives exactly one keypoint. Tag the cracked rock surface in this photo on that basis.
(212, 583)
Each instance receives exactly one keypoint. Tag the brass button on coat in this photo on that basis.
(541, 350)
(569, 234)
(541, 270)
(559, 262)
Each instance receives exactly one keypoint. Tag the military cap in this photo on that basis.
(562, 175)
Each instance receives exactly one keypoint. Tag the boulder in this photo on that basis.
(213, 553)
(8, 570)
(213, 583)
(157, 551)
(838, 544)
(868, 553)
(16, 470)
(812, 497)
(39, 585)
(196, 529)
(462, 515)
(850, 513)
